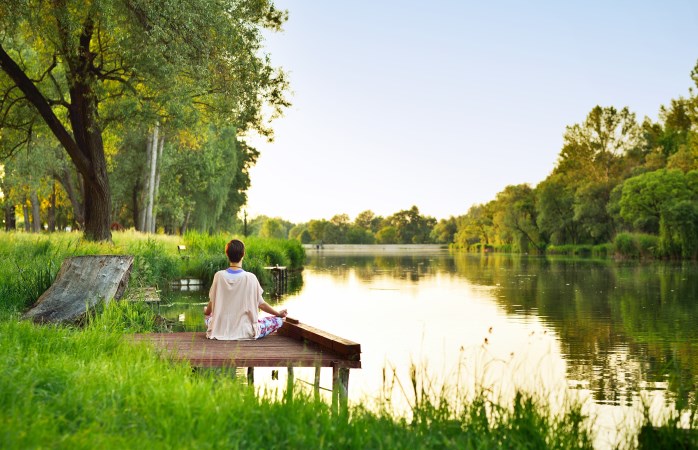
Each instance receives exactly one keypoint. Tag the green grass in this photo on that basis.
(637, 245)
(207, 253)
(92, 388)
(30, 262)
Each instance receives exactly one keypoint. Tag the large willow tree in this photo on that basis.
(75, 66)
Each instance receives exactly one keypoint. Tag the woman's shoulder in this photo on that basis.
(250, 275)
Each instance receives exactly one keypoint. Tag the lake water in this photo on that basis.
(611, 334)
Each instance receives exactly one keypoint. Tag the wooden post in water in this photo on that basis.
(289, 384)
(340, 388)
(316, 383)
(250, 376)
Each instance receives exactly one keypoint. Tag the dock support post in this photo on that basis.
(289, 383)
(340, 388)
(250, 376)
(316, 383)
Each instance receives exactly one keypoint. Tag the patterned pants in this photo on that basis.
(268, 325)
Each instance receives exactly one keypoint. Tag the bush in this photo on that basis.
(636, 245)
(602, 250)
(624, 245)
(152, 265)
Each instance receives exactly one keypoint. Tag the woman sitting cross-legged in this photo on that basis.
(235, 298)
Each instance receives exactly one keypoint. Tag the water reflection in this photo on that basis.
(623, 328)
(614, 331)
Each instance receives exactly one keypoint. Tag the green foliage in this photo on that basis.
(664, 202)
(613, 176)
(514, 211)
(295, 252)
(602, 250)
(208, 255)
(124, 316)
(636, 245)
(387, 235)
(153, 265)
(410, 226)
(445, 230)
(593, 150)
(87, 73)
(29, 263)
(403, 227)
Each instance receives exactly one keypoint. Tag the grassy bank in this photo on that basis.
(91, 388)
(29, 262)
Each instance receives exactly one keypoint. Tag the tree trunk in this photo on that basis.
(146, 181)
(185, 224)
(97, 195)
(10, 219)
(36, 212)
(52, 210)
(82, 283)
(161, 144)
(135, 205)
(84, 140)
(27, 220)
(65, 177)
(149, 225)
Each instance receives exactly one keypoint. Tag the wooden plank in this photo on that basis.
(344, 347)
(273, 351)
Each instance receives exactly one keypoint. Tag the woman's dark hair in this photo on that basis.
(235, 250)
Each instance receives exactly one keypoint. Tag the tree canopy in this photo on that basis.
(86, 71)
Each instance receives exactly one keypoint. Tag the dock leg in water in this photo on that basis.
(289, 384)
(340, 388)
(316, 383)
(250, 376)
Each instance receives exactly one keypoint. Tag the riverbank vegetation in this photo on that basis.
(29, 262)
(91, 387)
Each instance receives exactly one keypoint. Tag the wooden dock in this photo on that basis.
(294, 345)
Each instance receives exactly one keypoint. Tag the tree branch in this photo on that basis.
(34, 96)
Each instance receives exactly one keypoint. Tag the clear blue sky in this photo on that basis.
(442, 104)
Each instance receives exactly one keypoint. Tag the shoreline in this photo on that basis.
(375, 248)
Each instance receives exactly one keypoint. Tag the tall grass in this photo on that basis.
(207, 253)
(637, 245)
(29, 263)
(93, 388)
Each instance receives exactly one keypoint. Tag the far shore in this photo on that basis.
(375, 248)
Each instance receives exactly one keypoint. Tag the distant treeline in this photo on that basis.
(619, 186)
(404, 227)
(617, 181)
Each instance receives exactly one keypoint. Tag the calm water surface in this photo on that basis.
(612, 334)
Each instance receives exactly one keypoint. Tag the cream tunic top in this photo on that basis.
(235, 300)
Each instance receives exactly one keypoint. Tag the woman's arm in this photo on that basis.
(264, 306)
(208, 309)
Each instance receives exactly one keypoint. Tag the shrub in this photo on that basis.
(637, 245)
(624, 245)
(602, 250)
